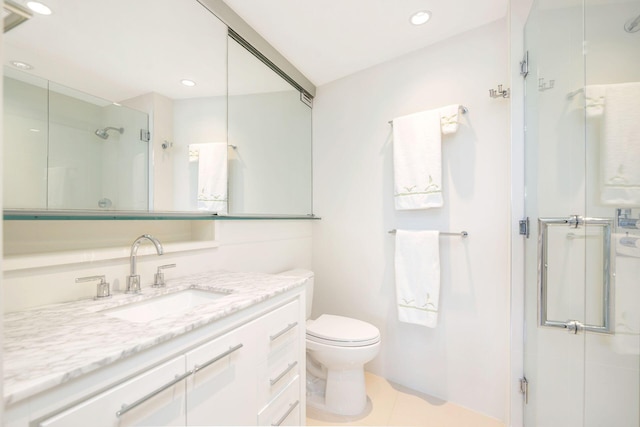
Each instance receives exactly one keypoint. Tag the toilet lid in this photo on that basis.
(342, 331)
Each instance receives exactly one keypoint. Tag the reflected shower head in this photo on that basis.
(632, 25)
(102, 133)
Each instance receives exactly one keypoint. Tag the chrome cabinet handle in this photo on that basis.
(196, 368)
(289, 327)
(283, 373)
(284, 417)
(126, 408)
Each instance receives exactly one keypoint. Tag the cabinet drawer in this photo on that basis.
(155, 397)
(219, 392)
(277, 371)
(279, 328)
(285, 408)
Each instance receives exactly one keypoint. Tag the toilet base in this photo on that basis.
(342, 393)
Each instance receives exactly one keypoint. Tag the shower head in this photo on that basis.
(102, 133)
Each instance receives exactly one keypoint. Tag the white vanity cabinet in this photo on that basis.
(223, 376)
(243, 370)
(279, 366)
(153, 398)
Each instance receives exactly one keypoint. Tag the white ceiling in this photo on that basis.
(123, 48)
(330, 39)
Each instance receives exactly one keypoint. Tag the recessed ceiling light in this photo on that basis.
(188, 82)
(21, 65)
(38, 7)
(34, 130)
(420, 17)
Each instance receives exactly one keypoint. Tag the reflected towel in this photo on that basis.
(212, 175)
(627, 306)
(417, 161)
(417, 267)
(620, 145)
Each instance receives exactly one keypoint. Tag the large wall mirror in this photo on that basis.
(148, 107)
(270, 139)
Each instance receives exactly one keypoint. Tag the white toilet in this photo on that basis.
(337, 349)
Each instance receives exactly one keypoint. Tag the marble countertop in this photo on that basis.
(85, 339)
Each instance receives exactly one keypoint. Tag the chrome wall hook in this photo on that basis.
(542, 86)
(500, 93)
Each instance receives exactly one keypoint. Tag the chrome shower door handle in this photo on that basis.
(574, 222)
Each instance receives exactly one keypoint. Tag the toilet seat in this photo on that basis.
(342, 331)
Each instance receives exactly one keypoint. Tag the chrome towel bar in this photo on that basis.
(462, 108)
(462, 234)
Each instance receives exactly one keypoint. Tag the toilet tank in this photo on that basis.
(307, 274)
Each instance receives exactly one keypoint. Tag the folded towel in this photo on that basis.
(620, 145)
(416, 161)
(627, 306)
(417, 265)
(449, 118)
(594, 100)
(212, 175)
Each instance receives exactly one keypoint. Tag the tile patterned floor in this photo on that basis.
(393, 405)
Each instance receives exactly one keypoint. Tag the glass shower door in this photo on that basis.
(582, 287)
(555, 192)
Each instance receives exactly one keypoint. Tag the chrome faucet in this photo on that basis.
(133, 279)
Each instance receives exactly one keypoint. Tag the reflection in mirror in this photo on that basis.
(75, 144)
(161, 66)
(208, 164)
(66, 150)
(269, 137)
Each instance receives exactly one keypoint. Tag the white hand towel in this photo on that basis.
(417, 161)
(449, 118)
(212, 176)
(417, 265)
(620, 146)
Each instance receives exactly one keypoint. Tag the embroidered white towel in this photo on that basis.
(417, 161)
(417, 266)
(449, 118)
(212, 176)
(620, 145)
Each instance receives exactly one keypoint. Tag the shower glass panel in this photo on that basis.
(25, 142)
(66, 150)
(582, 173)
(97, 159)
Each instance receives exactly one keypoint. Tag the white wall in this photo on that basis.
(465, 359)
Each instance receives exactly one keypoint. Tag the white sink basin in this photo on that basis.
(163, 305)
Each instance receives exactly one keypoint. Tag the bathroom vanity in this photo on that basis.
(229, 350)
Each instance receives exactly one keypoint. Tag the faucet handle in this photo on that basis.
(102, 288)
(158, 278)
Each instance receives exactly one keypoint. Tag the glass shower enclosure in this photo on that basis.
(582, 197)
